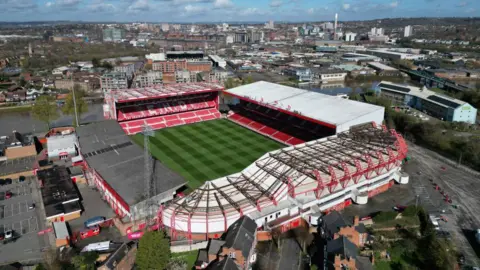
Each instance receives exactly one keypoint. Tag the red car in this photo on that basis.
(89, 232)
(8, 195)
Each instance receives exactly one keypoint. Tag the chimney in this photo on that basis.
(356, 221)
(335, 27)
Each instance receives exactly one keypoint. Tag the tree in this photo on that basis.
(96, 62)
(69, 107)
(107, 65)
(153, 251)
(85, 261)
(45, 110)
(247, 80)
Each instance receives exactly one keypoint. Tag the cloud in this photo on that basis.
(222, 4)
(470, 10)
(462, 4)
(17, 5)
(138, 6)
(102, 8)
(193, 10)
(251, 11)
(346, 6)
(315, 11)
(63, 4)
(393, 4)
(276, 3)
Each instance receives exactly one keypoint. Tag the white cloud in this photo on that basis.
(102, 8)
(346, 6)
(17, 5)
(470, 10)
(251, 11)
(138, 6)
(222, 3)
(394, 4)
(190, 9)
(311, 11)
(63, 4)
(315, 11)
(462, 4)
(276, 3)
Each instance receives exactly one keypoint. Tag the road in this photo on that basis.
(425, 169)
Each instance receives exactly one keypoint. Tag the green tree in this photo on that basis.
(22, 82)
(45, 110)
(96, 62)
(85, 261)
(153, 251)
(69, 107)
(247, 80)
(107, 65)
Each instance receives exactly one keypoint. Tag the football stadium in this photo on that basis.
(279, 155)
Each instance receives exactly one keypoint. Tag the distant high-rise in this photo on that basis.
(113, 34)
(377, 32)
(270, 24)
(335, 27)
(165, 27)
(349, 37)
(408, 31)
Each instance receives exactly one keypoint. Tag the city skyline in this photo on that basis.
(229, 10)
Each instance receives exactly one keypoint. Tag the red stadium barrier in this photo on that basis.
(159, 122)
(163, 108)
(263, 129)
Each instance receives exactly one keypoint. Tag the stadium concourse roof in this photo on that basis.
(120, 162)
(159, 91)
(324, 167)
(327, 110)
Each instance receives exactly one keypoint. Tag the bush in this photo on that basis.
(384, 216)
(410, 211)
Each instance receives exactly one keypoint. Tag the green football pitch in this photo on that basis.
(208, 150)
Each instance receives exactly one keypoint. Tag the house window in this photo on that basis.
(231, 255)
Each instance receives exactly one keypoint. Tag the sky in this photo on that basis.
(230, 10)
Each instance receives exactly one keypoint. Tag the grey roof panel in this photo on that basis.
(120, 162)
(241, 235)
(342, 246)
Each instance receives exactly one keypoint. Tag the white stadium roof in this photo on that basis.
(331, 110)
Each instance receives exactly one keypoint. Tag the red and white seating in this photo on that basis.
(159, 122)
(264, 130)
(142, 111)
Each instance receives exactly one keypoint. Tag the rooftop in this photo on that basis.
(380, 66)
(61, 142)
(120, 162)
(18, 165)
(324, 108)
(159, 91)
(58, 192)
(241, 235)
(423, 93)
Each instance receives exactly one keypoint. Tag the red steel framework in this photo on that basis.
(324, 167)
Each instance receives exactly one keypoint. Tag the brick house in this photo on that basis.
(343, 254)
(344, 238)
(335, 225)
(238, 247)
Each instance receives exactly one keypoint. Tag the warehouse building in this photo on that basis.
(443, 107)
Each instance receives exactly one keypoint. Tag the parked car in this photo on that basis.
(31, 206)
(21, 178)
(2, 236)
(2, 182)
(8, 181)
(8, 234)
(8, 195)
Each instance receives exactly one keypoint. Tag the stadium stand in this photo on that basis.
(159, 122)
(285, 128)
(162, 106)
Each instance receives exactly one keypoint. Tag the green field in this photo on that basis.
(208, 150)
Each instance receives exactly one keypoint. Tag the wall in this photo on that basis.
(19, 152)
(465, 113)
(183, 248)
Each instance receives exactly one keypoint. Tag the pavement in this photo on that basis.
(25, 223)
(93, 206)
(425, 169)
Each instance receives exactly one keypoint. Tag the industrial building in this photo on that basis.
(443, 107)
(302, 74)
(384, 70)
(218, 61)
(394, 54)
(329, 75)
(148, 79)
